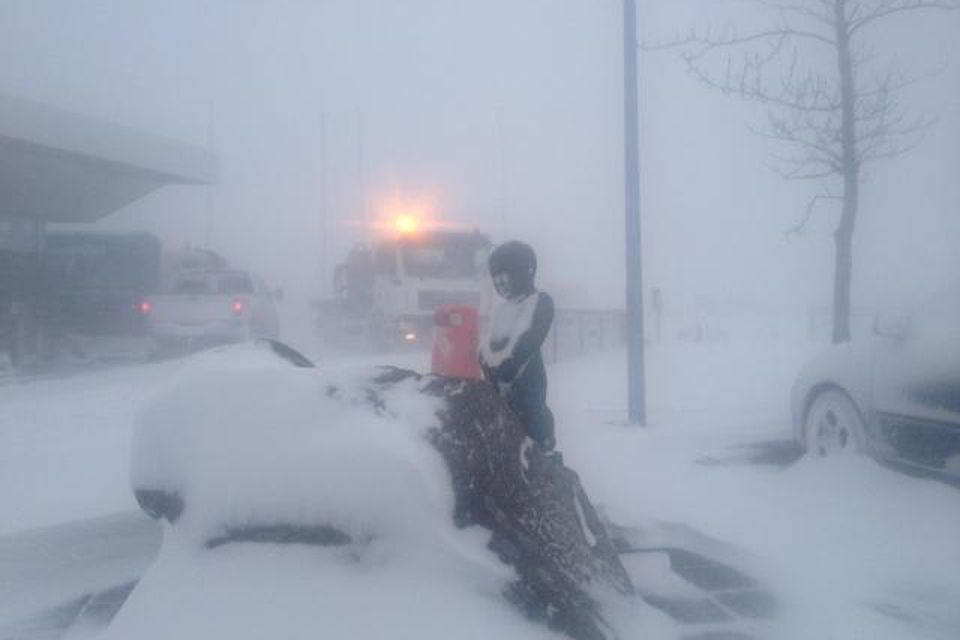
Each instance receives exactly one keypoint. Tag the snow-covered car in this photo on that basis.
(209, 307)
(294, 509)
(895, 397)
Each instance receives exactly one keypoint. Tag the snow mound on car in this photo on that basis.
(249, 445)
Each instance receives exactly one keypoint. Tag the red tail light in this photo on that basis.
(145, 307)
(238, 306)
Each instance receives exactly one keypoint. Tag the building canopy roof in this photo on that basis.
(60, 166)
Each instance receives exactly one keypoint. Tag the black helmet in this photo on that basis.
(512, 266)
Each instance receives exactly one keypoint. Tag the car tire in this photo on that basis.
(833, 426)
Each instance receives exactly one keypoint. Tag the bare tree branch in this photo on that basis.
(808, 213)
(831, 116)
(749, 88)
(800, 8)
(734, 41)
(893, 7)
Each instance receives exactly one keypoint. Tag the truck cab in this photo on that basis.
(396, 285)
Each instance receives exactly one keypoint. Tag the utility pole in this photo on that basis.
(361, 169)
(323, 206)
(636, 383)
(502, 157)
(208, 222)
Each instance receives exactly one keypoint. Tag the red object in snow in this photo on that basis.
(455, 341)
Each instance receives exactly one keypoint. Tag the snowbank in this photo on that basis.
(854, 549)
(65, 444)
(290, 592)
(249, 441)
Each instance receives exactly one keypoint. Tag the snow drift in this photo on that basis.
(415, 497)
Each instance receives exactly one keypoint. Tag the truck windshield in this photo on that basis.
(449, 258)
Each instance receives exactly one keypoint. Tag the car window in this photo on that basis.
(234, 283)
(934, 329)
(938, 314)
(193, 284)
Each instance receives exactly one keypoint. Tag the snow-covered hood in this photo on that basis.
(248, 441)
(245, 439)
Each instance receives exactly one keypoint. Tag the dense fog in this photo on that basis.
(337, 110)
(220, 220)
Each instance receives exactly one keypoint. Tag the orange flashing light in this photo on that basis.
(406, 224)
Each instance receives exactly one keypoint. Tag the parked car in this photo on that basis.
(297, 509)
(210, 307)
(895, 397)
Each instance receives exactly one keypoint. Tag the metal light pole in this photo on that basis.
(208, 223)
(325, 281)
(502, 157)
(361, 173)
(636, 391)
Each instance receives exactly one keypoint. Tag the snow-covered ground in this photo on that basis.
(250, 442)
(853, 549)
(65, 443)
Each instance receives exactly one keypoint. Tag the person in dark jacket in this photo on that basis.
(510, 358)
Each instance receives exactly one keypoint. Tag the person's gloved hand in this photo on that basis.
(508, 370)
(549, 443)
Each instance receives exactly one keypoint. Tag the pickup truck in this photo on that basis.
(210, 307)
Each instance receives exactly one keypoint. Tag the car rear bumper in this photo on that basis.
(178, 337)
(235, 330)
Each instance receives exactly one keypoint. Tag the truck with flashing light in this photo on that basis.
(386, 293)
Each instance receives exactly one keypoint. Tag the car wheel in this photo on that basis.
(833, 425)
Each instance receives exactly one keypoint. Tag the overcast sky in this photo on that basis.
(310, 101)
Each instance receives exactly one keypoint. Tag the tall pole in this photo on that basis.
(208, 226)
(637, 409)
(325, 281)
(502, 157)
(361, 169)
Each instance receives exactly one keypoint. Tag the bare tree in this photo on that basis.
(831, 101)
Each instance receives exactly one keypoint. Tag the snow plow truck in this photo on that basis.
(385, 294)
